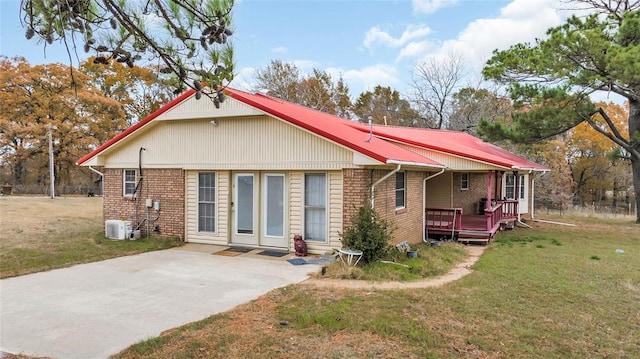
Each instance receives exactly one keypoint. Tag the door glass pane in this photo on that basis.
(315, 209)
(275, 205)
(244, 209)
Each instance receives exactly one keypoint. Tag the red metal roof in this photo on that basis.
(453, 142)
(332, 128)
(328, 126)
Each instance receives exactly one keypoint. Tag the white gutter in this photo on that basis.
(424, 204)
(373, 186)
(417, 164)
(101, 182)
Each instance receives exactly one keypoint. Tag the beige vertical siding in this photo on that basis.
(295, 204)
(192, 108)
(222, 209)
(439, 190)
(334, 215)
(251, 143)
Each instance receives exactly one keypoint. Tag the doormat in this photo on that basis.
(297, 261)
(273, 253)
(239, 249)
(228, 253)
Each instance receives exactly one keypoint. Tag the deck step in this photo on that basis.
(471, 234)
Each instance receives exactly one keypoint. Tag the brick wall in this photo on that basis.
(407, 221)
(163, 185)
(469, 199)
(356, 192)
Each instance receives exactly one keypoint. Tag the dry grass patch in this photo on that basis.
(39, 233)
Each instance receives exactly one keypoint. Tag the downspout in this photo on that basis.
(373, 186)
(101, 179)
(424, 204)
(138, 190)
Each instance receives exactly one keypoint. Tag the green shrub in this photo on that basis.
(368, 233)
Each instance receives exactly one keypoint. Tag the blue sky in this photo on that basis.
(367, 42)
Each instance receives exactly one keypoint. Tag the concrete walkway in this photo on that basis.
(94, 310)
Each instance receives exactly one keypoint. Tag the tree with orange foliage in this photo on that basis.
(34, 97)
(595, 165)
(141, 90)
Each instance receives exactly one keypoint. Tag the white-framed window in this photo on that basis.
(206, 202)
(510, 185)
(315, 207)
(401, 190)
(464, 181)
(129, 182)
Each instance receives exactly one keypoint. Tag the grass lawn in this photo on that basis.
(548, 292)
(39, 233)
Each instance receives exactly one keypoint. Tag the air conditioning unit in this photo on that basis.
(116, 229)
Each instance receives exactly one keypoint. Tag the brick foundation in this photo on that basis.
(163, 185)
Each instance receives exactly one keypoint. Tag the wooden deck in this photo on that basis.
(451, 222)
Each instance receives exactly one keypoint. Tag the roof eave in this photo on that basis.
(415, 164)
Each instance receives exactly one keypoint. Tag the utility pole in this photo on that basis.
(52, 178)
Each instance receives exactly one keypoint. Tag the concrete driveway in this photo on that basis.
(97, 309)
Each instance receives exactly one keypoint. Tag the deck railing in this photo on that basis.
(443, 220)
(494, 217)
(509, 208)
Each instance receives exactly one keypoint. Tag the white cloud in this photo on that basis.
(412, 32)
(279, 50)
(367, 78)
(244, 79)
(430, 6)
(519, 21)
(414, 49)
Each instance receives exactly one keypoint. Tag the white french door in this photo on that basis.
(259, 210)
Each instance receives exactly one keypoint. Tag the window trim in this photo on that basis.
(214, 202)
(124, 182)
(521, 183)
(403, 189)
(522, 188)
(465, 183)
(326, 206)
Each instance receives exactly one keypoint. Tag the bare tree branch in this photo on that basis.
(434, 82)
